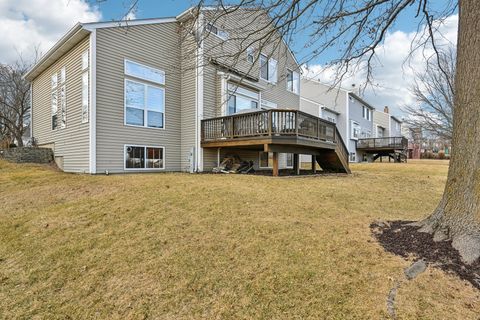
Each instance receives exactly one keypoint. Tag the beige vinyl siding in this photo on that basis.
(238, 24)
(381, 119)
(310, 107)
(72, 142)
(156, 46)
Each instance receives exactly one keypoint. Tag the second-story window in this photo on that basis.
(144, 96)
(268, 69)
(222, 34)
(293, 81)
(366, 113)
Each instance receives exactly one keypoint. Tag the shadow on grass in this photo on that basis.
(400, 238)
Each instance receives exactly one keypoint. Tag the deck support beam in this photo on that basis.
(275, 164)
(296, 163)
(314, 164)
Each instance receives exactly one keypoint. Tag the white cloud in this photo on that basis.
(393, 74)
(25, 24)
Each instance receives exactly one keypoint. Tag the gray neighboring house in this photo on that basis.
(352, 114)
(132, 96)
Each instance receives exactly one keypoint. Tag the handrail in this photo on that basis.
(273, 122)
(385, 142)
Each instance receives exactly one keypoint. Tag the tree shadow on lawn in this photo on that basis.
(400, 238)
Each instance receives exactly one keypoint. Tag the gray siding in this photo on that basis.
(70, 143)
(366, 126)
(394, 131)
(158, 46)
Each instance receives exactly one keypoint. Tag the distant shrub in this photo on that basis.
(441, 155)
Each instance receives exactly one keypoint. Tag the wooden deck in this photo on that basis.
(395, 148)
(276, 130)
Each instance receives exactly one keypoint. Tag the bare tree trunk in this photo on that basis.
(457, 217)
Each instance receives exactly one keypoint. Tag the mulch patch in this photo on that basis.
(404, 240)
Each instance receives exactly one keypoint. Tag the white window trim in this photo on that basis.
(268, 68)
(260, 160)
(354, 124)
(293, 82)
(145, 150)
(64, 86)
(143, 65)
(85, 53)
(145, 114)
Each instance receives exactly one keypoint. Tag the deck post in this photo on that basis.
(296, 163)
(275, 164)
(314, 163)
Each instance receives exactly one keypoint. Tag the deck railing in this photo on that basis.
(268, 123)
(383, 143)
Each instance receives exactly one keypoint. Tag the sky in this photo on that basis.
(26, 25)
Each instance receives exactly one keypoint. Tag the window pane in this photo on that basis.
(272, 70)
(155, 158)
(62, 75)
(135, 157)
(289, 80)
(243, 103)
(54, 81)
(63, 107)
(137, 70)
(296, 82)
(85, 97)
(289, 159)
(135, 94)
(263, 67)
(155, 119)
(231, 104)
(134, 116)
(155, 98)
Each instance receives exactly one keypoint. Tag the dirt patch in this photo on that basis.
(400, 238)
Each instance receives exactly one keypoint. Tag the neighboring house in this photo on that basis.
(159, 95)
(352, 114)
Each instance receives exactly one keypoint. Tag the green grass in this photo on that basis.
(181, 246)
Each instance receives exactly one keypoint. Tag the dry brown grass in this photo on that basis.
(180, 246)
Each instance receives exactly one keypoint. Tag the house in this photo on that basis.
(176, 94)
(351, 113)
(388, 140)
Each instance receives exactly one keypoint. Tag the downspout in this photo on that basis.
(92, 84)
(199, 93)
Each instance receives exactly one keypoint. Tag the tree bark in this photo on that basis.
(457, 216)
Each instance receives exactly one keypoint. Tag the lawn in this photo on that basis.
(182, 246)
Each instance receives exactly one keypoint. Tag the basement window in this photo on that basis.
(266, 160)
(144, 157)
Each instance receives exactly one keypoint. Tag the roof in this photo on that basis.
(396, 119)
(356, 96)
(68, 41)
(331, 110)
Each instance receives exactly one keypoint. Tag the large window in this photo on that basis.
(144, 157)
(240, 98)
(85, 93)
(293, 81)
(144, 102)
(268, 68)
(266, 160)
